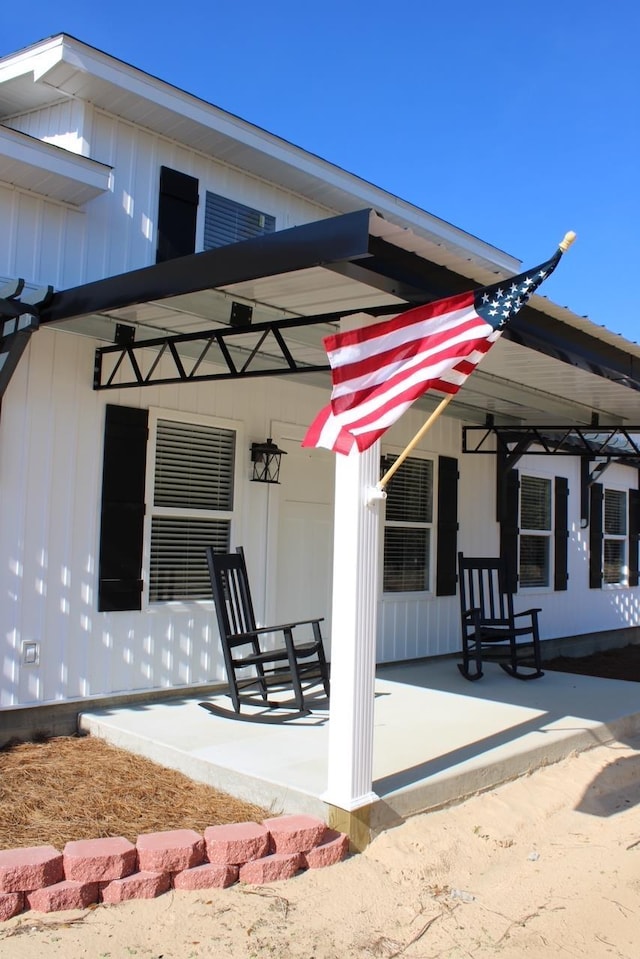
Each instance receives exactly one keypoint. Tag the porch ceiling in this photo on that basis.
(545, 369)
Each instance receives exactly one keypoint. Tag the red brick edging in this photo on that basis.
(114, 870)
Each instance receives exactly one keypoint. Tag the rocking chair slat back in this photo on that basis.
(254, 661)
(491, 629)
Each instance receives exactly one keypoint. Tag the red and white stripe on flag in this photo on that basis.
(378, 371)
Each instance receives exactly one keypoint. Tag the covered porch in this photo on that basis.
(259, 309)
(437, 738)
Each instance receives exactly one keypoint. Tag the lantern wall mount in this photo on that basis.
(266, 458)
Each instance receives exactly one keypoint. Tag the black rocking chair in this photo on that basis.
(252, 664)
(491, 630)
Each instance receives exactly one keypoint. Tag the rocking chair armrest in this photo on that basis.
(280, 626)
(528, 612)
(472, 613)
(259, 630)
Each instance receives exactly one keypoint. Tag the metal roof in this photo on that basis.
(542, 370)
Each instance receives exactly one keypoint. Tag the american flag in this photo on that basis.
(378, 371)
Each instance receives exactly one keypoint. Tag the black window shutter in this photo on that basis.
(509, 528)
(561, 533)
(447, 542)
(595, 536)
(634, 533)
(177, 213)
(122, 516)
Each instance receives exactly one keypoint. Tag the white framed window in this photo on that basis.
(191, 489)
(615, 537)
(536, 531)
(408, 526)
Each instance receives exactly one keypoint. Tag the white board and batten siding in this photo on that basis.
(53, 425)
(121, 222)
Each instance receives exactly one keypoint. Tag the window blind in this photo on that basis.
(406, 559)
(194, 466)
(194, 476)
(226, 221)
(410, 491)
(407, 536)
(535, 503)
(614, 550)
(178, 566)
(615, 512)
(534, 560)
(615, 525)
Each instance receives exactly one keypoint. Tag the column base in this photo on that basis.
(356, 823)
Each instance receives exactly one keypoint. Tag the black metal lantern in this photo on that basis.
(266, 459)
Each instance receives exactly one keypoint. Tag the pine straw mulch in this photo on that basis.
(69, 788)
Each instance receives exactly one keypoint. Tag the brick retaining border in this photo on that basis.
(114, 870)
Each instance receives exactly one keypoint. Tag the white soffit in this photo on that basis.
(49, 170)
(517, 381)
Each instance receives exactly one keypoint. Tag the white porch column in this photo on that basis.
(353, 643)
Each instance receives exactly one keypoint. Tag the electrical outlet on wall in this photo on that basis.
(30, 653)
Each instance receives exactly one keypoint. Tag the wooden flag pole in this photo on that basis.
(440, 408)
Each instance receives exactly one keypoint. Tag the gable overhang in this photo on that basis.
(50, 171)
(298, 283)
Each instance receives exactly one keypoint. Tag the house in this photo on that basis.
(180, 270)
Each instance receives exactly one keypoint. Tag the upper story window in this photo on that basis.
(535, 531)
(408, 526)
(226, 221)
(615, 537)
(192, 505)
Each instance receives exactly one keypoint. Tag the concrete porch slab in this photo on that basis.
(438, 738)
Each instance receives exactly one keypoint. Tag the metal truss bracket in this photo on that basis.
(19, 317)
(589, 476)
(258, 349)
(595, 444)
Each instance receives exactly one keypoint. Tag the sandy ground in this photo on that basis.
(547, 865)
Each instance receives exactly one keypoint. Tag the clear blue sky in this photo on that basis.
(515, 121)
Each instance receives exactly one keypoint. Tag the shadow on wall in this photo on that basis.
(56, 645)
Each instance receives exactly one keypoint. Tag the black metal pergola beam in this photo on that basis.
(339, 243)
(206, 343)
(603, 445)
(611, 442)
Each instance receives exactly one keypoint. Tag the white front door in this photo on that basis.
(305, 531)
